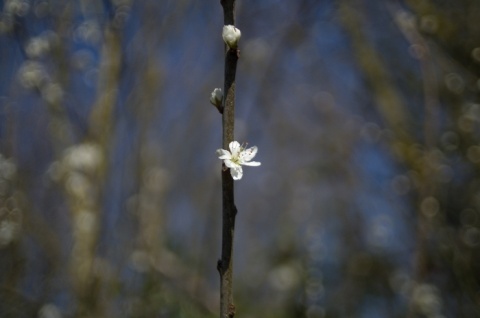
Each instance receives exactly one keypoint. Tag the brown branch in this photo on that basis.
(228, 11)
(224, 265)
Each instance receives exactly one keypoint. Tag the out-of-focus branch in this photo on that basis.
(387, 98)
(421, 51)
(393, 110)
(86, 198)
(101, 118)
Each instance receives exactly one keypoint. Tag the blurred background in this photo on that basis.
(366, 115)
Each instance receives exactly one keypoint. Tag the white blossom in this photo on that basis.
(86, 156)
(236, 157)
(231, 35)
(216, 97)
(37, 47)
(32, 74)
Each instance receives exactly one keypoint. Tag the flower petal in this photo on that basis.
(252, 163)
(223, 154)
(234, 148)
(248, 154)
(236, 172)
(230, 164)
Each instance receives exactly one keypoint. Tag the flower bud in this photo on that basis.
(216, 97)
(231, 35)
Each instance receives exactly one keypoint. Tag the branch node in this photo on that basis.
(233, 52)
(231, 310)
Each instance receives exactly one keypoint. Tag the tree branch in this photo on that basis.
(224, 266)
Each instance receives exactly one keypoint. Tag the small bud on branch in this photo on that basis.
(231, 35)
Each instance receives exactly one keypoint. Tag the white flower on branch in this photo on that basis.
(236, 157)
(231, 35)
(216, 97)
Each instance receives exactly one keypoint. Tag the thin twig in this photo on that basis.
(224, 266)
